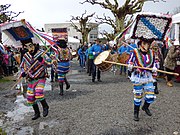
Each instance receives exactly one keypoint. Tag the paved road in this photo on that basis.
(104, 108)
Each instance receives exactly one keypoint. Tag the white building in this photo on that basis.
(93, 34)
(175, 29)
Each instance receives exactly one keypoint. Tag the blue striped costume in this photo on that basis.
(63, 65)
(142, 79)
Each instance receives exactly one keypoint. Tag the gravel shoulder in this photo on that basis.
(7, 95)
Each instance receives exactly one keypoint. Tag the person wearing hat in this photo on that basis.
(170, 61)
(63, 65)
(95, 50)
(89, 60)
(122, 49)
(36, 76)
(141, 79)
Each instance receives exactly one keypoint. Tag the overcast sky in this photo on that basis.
(40, 12)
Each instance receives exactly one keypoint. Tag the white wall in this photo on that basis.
(71, 31)
(176, 23)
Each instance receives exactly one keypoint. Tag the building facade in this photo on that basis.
(93, 34)
(175, 28)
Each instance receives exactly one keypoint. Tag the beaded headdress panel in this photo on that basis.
(151, 27)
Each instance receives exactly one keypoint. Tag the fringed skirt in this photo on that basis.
(35, 91)
(142, 78)
(143, 87)
(62, 70)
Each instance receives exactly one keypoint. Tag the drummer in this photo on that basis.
(95, 50)
(122, 49)
(132, 45)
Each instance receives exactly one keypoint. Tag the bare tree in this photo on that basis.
(6, 15)
(176, 10)
(109, 36)
(84, 26)
(112, 23)
(119, 12)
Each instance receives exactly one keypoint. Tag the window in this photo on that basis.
(94, 36)
(75, 37)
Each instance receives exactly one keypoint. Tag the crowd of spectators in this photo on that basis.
(8, 61)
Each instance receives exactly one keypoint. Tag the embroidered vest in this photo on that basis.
(64, 54)
(37, 70)
(144, 60)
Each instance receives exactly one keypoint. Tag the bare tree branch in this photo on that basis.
(16, 14)
(128, 21)
(109, 36)
(75, 26)
(156, 0)
(176, 10)
(107, 20)
(84, 28)
(4, 7)
(107, 4)
(7, 15)
(119, 12)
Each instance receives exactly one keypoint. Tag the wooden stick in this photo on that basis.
(162, 71)
(20, 77)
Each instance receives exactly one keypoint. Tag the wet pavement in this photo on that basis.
(100, 108)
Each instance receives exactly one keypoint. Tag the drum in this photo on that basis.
(74, 54)
(103, 66)
(123, 58)
(114, 57)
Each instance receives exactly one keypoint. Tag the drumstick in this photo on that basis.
(20, 78)
(128, 45)
(162, 71)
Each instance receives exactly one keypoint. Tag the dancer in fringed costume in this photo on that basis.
(36, 76)
(142, 79)
(64, 57)
(148, 28)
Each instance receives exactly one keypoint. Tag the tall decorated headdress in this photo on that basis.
(21, 32)
(18, 32)
(150, 26)
(60, 34)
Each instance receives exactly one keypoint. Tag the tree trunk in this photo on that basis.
(119, 24)
(85, 37)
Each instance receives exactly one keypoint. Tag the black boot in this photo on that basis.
(45, 107)
(156, 88)
(136, 113)
(67, 83)
(36, 111)
(146, 108)
(93, 80)
(61, 89)
(56, 77)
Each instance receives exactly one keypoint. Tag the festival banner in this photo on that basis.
(59, 33)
